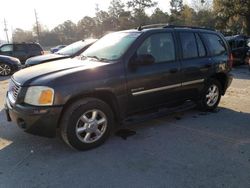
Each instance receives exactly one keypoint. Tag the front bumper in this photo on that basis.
(40, 121)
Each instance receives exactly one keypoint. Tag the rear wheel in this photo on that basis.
(87, 124)
(5, 69)
(210, 96)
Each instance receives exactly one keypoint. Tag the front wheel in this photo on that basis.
(210, 96)
(5, 69)
(86, 124)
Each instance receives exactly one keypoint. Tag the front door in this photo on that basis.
(154, 84)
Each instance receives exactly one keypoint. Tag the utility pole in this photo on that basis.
(6, 30)
(37, 26)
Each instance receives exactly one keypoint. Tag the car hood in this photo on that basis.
(43, 58)
(53, 70)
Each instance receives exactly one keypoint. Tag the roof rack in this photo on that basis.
(140, 28)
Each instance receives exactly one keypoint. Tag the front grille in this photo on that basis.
(14, 89)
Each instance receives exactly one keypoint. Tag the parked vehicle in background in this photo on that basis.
(8, 65)
(120, 75)
(22, 51)
(239, 45)
(57, 48)
(69, 51)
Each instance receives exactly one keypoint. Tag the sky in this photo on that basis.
(20, 13)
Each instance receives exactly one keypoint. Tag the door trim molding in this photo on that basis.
(167, 87)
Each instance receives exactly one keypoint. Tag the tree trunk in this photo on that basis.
(248, 24)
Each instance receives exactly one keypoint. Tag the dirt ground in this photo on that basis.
(187, 149)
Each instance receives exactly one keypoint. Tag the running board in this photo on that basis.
(149, 115)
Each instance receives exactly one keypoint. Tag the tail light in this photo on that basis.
(231, 59)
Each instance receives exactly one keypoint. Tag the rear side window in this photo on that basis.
(189, 47)
(160, 46)
(20, 48)
(215, 44)
(34, 47)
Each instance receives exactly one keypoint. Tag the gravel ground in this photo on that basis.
(187, 149)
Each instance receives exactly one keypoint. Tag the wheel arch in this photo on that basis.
(106, 96)
(222, 78)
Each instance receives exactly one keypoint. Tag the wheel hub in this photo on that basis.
(91, 126)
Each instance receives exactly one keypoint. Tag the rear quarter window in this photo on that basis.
(215, 44)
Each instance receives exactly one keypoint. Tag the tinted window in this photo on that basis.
(215, 44)
(189, 47)
(201, 48)
(20, 48)
(160, 46)
(7, 48)
(34, 47)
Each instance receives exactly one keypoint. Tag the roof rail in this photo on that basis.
(141, 27)
(190, 27)
(170, 26)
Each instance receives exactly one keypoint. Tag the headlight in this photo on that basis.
(39, 96)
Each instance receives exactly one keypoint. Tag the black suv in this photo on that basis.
(239, 46)
(22, 51)
(120, 75)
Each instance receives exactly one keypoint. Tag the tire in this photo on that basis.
(86, 124)
(5, 69)
(210, 96)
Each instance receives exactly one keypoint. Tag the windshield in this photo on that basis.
(111, 46)
(74, 47)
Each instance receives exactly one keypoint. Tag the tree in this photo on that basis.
(66, 32)
(231, 12)
(159, 16)
(115, 10)
(20, 36)
(86, 27)
(176, 6)
(139, 6)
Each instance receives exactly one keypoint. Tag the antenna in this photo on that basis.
(6, 30)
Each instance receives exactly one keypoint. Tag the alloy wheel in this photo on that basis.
(91, 126)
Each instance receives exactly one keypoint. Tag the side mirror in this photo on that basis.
(143, 59)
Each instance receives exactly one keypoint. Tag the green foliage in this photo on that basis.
(233, 15)
(228, 16)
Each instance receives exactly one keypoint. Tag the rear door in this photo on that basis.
(195, 62)
(158, 83)
(20, 52)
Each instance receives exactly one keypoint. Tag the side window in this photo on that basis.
(189, 47)
(215, 44)
(34, 47)
(19, 48)
(7, 48)
(201, 48)
(160, 46)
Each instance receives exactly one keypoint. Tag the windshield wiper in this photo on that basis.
(94, 57)
(98, 58)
